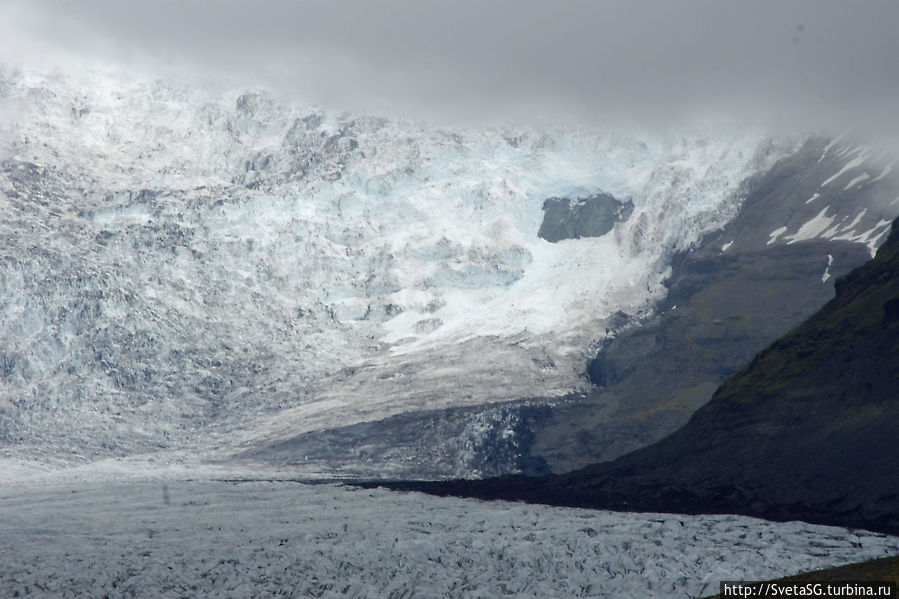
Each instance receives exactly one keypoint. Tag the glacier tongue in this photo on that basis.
(177, 263)
(165, 537)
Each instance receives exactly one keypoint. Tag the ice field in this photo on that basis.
(179, 538)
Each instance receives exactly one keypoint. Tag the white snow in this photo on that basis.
(829, 146)
(873, 237)
(849, 150)
(856, 180)
(812, 228)
(870, 237)
(826, 275)
(854, 163)
(772, 237)
(886, 171)
(214, 539)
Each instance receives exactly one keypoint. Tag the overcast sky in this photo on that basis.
(797, 63)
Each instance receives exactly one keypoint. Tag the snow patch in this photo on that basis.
(826, 274)
(854, 163)
(886, 171)
(772, 237)
(856, 180)
(857, 219)
(814, 227)
(870, 237)
(829, 146)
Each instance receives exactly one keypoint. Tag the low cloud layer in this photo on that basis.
(799, 64)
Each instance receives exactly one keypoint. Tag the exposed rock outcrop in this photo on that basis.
(593, 216)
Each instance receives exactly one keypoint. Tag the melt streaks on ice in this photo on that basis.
(213, 539)
(857, 219)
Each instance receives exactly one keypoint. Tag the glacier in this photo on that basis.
(175, 538)
(184, 268)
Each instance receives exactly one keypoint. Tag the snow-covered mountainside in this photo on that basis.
(181, 269)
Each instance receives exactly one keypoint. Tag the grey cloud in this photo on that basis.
(788, 63)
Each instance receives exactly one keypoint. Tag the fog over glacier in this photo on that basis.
(795, 64)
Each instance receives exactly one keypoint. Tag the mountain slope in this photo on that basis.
(806, 431)
(766, 271)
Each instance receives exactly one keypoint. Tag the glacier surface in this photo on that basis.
(189, 269)
(175, 538)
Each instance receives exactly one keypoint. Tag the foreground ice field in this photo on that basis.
(260, 539)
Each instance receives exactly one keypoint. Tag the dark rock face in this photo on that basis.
(593, 216)
(806, 431)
